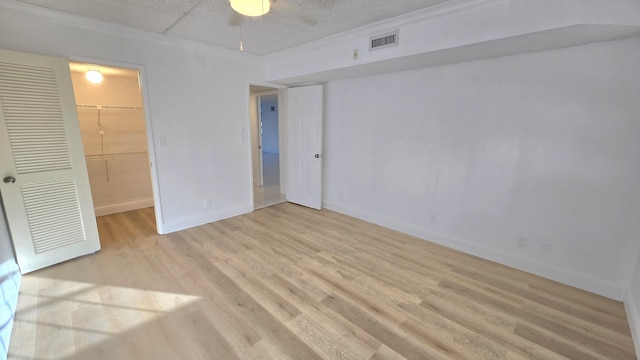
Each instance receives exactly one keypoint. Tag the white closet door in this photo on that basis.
(45, 187)
(304, 151)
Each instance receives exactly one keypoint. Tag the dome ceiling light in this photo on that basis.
(94, 76)
(251, 7)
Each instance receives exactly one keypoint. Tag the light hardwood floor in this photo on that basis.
(287, 282)
(269, 194)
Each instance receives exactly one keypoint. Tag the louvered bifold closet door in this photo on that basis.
(45, 187)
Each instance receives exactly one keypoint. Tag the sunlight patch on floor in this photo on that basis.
(74, 316)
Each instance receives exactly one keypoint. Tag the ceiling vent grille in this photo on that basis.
(384, 40)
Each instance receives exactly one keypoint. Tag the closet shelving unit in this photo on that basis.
(101, 131)
(114, 139)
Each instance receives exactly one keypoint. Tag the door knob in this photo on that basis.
(317, 156)
(9, 180)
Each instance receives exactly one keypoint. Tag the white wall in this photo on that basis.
(632, 305)
(112, 91)
(542, 145)
(457, 31)
(201, 110)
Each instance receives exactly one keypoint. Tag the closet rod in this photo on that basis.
(107, 107)
(112, 156)
(116, 132)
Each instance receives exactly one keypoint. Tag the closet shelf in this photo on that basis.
(113, 156)
(101, 132)
(107, 107)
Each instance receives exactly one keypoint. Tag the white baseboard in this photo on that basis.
(170, 227)
(612, 291)
(122, 207)
(631, 308)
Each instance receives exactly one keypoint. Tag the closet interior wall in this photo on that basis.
(112, 123)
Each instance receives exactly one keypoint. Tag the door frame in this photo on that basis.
(157, 203)
(260, 129)
(279, 90)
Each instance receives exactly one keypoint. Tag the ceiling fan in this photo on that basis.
(255, 8)
(251, 7)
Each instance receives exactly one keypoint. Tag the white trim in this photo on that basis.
(633, 318)
(267, 84)
(247, 133)
(119, 30)
(155, 182)
(612, 291)
(151, 150)
(259, 133)
(207, 218)
(282, 138)
(122, 207)
(265, 93)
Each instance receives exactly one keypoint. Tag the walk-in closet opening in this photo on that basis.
(112, 122)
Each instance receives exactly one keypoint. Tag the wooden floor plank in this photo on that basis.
(287, 282)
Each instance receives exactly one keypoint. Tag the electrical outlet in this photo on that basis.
(163, 141)
(355, 54)
(433, 219)
(522, 242)
(206, 203)
(546, 248)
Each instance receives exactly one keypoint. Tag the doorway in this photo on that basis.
(269, 140)
(267, 157)
(112, 120)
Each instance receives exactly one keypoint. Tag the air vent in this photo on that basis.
(384, 40)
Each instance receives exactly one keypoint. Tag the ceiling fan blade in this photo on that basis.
(235, 19)
(287, 8)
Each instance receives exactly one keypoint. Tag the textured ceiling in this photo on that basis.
(289, 23)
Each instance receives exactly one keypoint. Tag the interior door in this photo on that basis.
(45, 186)
(304, 138)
